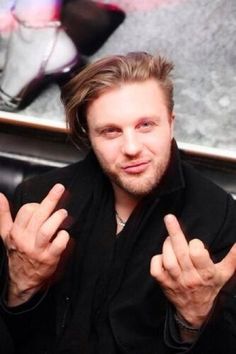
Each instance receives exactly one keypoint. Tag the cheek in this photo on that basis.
(159, 144)
(107, 152)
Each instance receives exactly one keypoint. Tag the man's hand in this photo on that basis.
(187, 275)
(34, 244)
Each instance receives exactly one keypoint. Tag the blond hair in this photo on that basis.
(105, 74)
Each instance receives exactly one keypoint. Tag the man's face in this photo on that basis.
(130, 130)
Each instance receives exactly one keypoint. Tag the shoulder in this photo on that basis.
(36, 188)
(209, 212)
(201, 188)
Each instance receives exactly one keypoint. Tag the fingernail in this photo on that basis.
(59, 188)
(64, 212)
(168, 217)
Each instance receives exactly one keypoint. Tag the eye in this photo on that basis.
(110, 132)
(146, 125)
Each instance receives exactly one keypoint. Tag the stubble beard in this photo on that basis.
(139, 185)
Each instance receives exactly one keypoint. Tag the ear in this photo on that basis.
(172, 123)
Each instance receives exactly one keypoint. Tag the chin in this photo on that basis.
(139, 188)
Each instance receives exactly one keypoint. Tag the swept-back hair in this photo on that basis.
(107, 73)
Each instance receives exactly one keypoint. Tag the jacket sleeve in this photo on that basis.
(18, 324)
(218, 334)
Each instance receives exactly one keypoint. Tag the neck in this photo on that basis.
(124, 202)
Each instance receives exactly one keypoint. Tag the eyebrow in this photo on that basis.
(99, 128)
(144, 118)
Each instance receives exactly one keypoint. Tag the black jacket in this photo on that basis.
(103, 299)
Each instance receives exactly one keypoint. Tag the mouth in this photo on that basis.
(136, 167)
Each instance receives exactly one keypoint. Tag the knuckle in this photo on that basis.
(44, 232)
(171, 267)
(28, 208)
(155, 270)
(195, 242)
(60, 215)
(190, 280)
(11, 239)
(192, 283)
(156, 273)
(195, 253)
(207, 275)
(196, 246)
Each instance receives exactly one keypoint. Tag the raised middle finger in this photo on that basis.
(49, 228)
(45, 208)
(170, 262)
(179, 243)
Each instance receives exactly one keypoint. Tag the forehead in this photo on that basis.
(128, 100)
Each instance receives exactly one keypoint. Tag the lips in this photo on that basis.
(136, 168)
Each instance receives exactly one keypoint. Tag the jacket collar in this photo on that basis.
(90, 176)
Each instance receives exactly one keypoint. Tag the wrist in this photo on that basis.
(17, 295)
(185, 325)
(22, 284)
(188, 332)
(195, 318)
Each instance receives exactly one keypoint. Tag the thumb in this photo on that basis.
(227, 266)
(5, 217)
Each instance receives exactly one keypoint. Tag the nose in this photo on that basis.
(131, 144)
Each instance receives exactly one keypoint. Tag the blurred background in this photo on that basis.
(200, 37)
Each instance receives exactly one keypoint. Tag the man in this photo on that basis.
(103, 255)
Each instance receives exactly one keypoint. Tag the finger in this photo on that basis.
(24, 215)
(201, 259)
(169, 260)
(156, 268)
(59, 244)
(227, 266)
(6, 221)
(17, 232)
(46, 207)
(49, 228)
(179, 242)
(160, 274)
